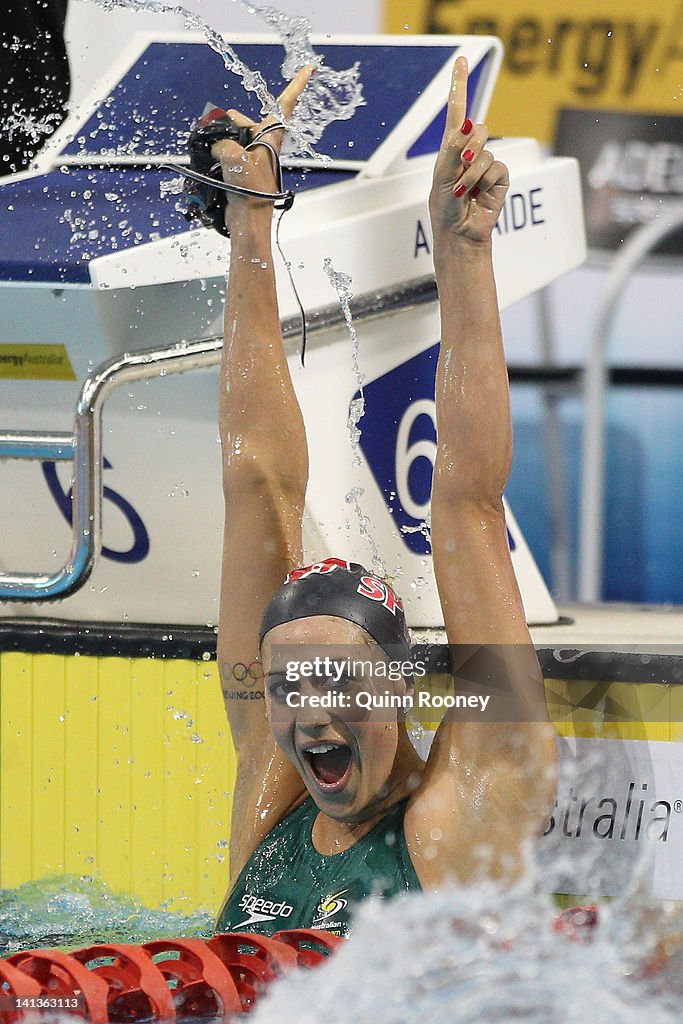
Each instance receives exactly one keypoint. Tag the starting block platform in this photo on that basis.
(95, 262)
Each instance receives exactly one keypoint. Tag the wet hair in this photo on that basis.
(348, 591)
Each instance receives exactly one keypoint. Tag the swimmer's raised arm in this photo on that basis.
(265, 471)
(492, 781)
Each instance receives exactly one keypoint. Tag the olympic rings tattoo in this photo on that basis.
(248, 675)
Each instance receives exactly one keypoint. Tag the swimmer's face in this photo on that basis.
(344, 753)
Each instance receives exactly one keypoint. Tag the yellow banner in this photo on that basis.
(35, 362)
(591, 54)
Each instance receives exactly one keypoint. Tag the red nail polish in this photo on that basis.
(468, 155)
(475, 192)
(466, 126)
(460, 191)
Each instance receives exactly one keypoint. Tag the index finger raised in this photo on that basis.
(289, 96)
(457, 96)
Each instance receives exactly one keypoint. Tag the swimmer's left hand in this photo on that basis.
(253, 168)
(469, 186)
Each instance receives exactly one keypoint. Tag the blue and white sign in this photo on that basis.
(398, 440)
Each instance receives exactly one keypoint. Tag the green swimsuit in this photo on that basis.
(286, 883)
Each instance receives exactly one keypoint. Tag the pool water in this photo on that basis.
(71, 911)
(484, 955)
(462, 956)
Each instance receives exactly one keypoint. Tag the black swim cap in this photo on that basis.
(347, 590)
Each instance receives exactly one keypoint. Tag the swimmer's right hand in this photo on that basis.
(470, 185)
(253, 168)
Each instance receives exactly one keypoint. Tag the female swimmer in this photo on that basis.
(333, 805)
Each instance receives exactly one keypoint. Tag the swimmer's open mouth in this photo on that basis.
(330, 763)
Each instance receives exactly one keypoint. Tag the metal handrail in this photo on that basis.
(84, 447)
(592, 492)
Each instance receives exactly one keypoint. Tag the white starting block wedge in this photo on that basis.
(107, 267)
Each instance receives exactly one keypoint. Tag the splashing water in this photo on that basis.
(464, 956)
(424, 528)
(35, 128)
(353, 498)
(172, 187)
(416, 729)
(252, 81)
(72, 911)
(356, 412)
(331, 95)
(342, 285)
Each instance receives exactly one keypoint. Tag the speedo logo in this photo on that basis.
(329, 906)
(262, 910)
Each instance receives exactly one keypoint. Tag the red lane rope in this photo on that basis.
(171, 979)
(168, 979)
